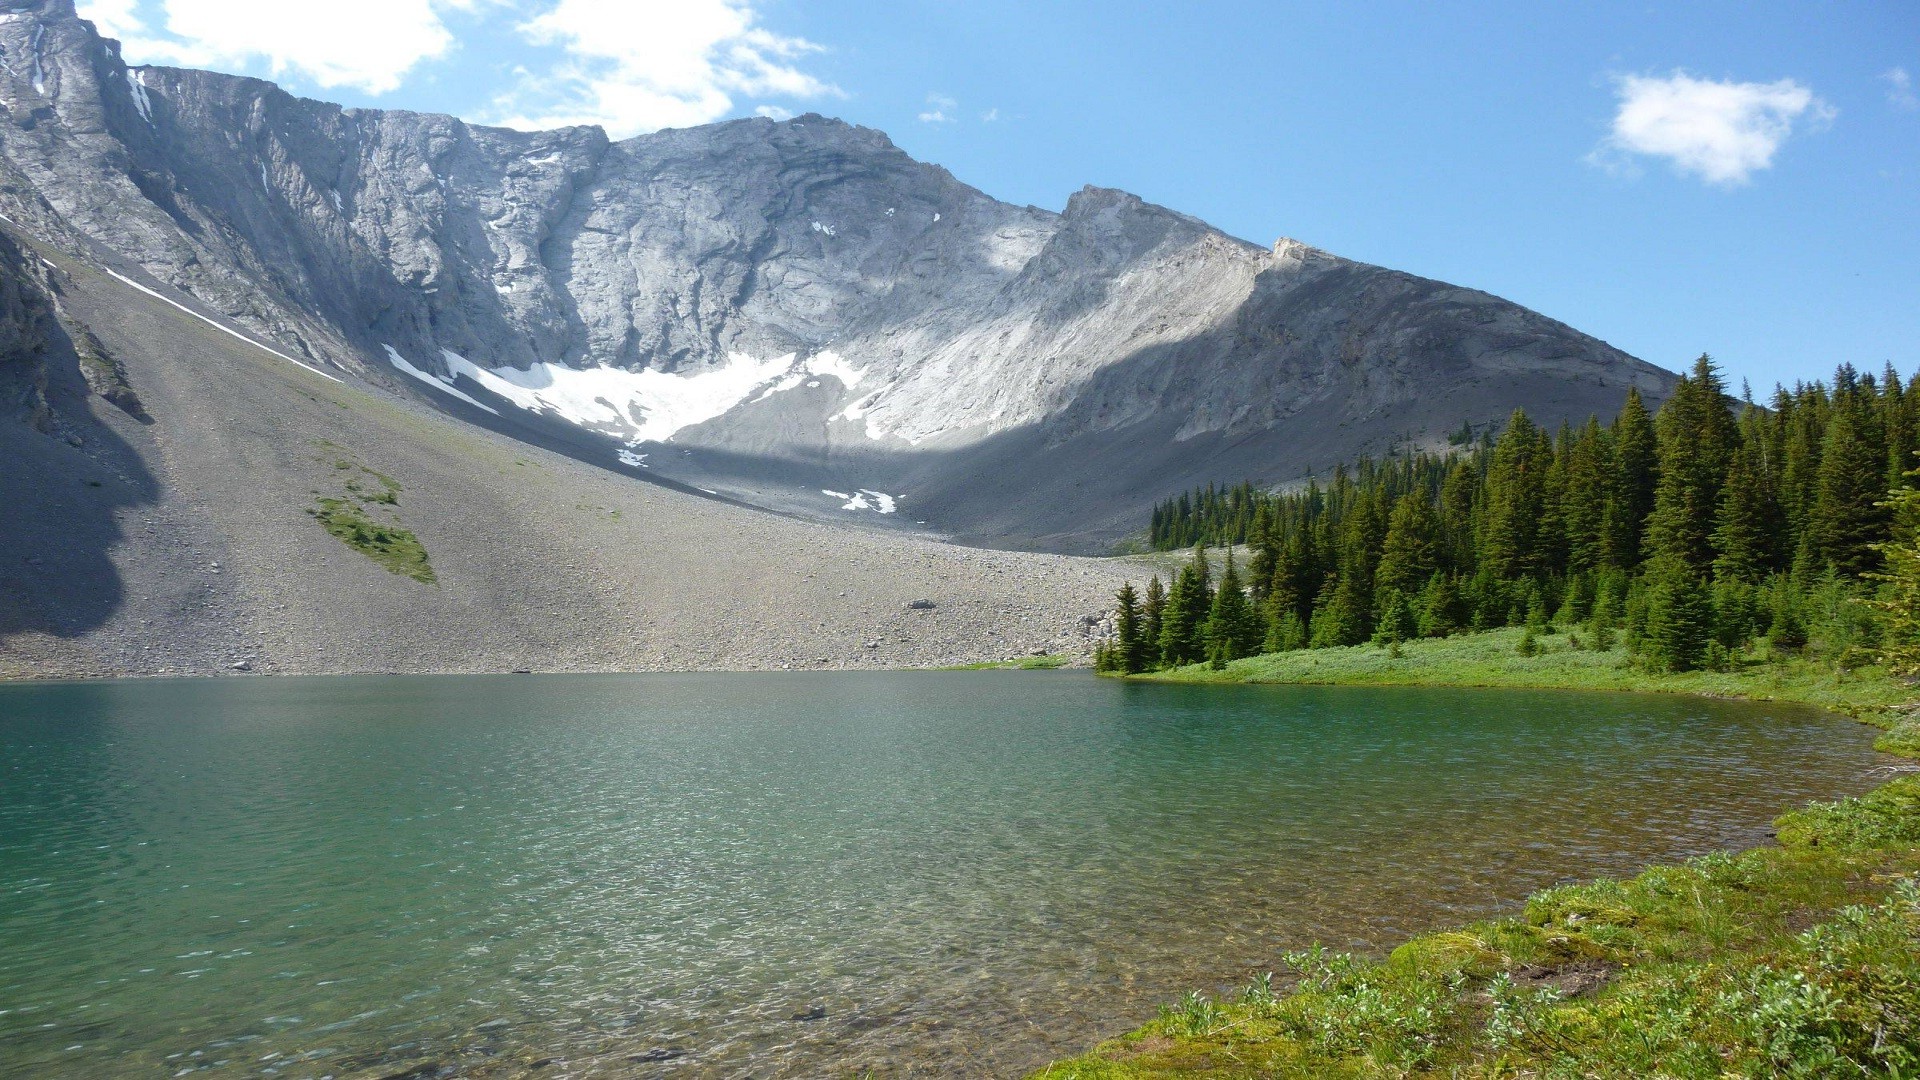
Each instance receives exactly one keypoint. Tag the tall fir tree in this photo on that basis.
(1697, 438)
(1636, 475)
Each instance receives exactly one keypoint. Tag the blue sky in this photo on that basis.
(1736, 178)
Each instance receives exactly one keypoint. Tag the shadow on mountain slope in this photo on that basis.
(68, 474)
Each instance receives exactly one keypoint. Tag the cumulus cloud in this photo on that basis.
(940, 109)
(639, 65)
(367, 44)
(1900, 90)
(773, 112)
(1721, 132)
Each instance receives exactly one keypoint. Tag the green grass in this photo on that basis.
(1493, 659)
(393, 547)
(1801, 959)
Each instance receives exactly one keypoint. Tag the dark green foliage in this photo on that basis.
(1129, 644)
(1692, 535)
(1233, 628)
(1183, 621)
(1679, 617)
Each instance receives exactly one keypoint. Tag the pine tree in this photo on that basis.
(1697, 437)
(1741, 531)
(1151, 613)
(1341, 619)
(1899, 599)
(1130, 652)
(1410, 553)
(1848, 516)
(1583, 499)
(1184, 619)
(1396, 623)
(1516, 501)
(1232, 629)
(1679, 617)
(1636, 473)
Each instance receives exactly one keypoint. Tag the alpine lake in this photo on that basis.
(823, 874)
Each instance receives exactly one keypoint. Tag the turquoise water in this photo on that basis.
(960, 873)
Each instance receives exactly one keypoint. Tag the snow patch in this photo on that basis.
(639, 406)
(137, 86)
(338, 206)
(264, 182)
(823, 364)
(628, 457)
(443, 385)
(824, 229)
(936, 217)
(39, 71)
(125, 280)
(864, 499)
(889, 211)
(543, 159)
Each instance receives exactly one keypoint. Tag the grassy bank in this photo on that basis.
(1801, 959)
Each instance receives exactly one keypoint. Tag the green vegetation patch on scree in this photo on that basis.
(366, 516)
(393, 547)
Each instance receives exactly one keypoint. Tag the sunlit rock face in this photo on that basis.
(770, 309)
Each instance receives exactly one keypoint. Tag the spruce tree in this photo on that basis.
(1410, 552)
(1129, 644)
(1151, 612)
(1583, 499)
(1516, 501)
(1636, 473)
(1741, 529)
(1679, 617)
(1697, 437)
(1848, 519)
(1232, 629)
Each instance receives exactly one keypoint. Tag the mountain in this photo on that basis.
(793, 314)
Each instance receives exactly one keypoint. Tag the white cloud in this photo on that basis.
(1722, 132)
(638, 65)
(940, 109)
(368, 44)
(1900, 90)
(773, 112)
(990, 116)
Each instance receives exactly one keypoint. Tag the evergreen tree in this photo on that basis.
(1679, 617)
(1151, 613)
(1583, 500)
(1741, 524)
(1636, 473)
(1130, 652)
(1183, 621)
(1342, 618)
(1410, 552)
(1516, 501)
(1396, 623)
(1848, 517)
(1697, 437)
(1233, 630)
(1899, 600)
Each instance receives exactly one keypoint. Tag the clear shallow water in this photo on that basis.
(959, 873)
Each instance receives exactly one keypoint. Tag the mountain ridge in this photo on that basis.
(781, 311)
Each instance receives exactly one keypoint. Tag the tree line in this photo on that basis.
(1693, 535)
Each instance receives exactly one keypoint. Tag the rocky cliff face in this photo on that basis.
(795, 313)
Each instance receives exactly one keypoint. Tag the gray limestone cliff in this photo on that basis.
(797, 314)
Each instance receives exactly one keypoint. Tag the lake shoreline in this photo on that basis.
(1777, 957)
